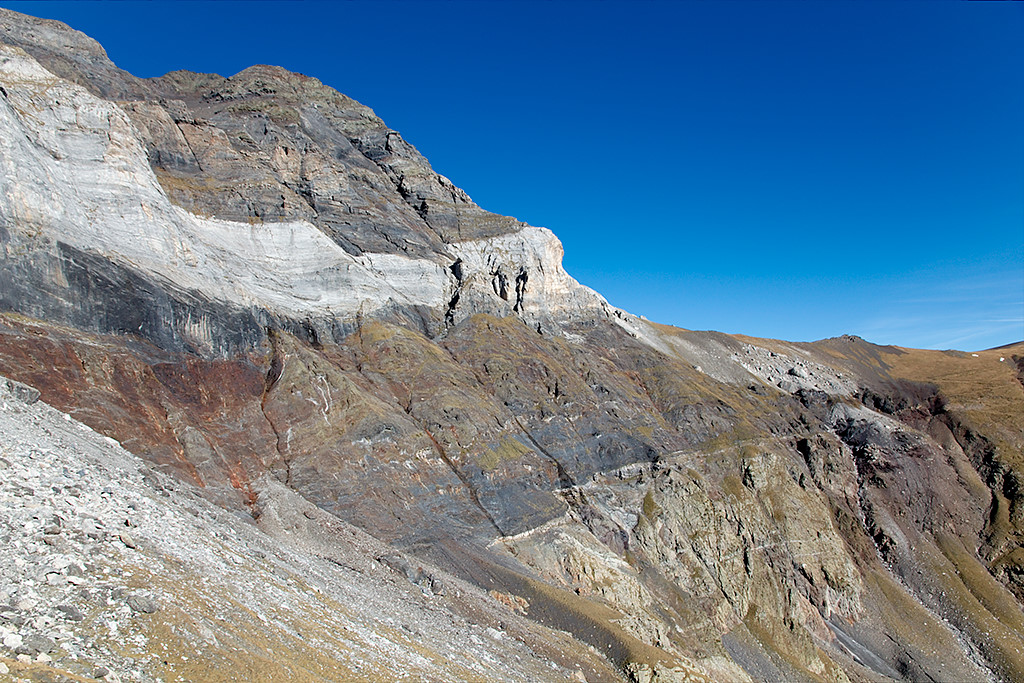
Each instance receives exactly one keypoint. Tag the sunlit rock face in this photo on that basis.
(259, 289)
(80, 192)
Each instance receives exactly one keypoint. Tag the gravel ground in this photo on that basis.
(114, 571)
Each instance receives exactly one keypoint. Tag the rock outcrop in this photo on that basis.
(270, 298)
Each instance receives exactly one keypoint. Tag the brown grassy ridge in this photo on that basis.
(984, 406)
(977, 605)
(979, 385)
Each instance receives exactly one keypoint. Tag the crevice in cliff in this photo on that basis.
(384, 235)
(521, 280)
(564, 478)
(274, 373)
(499, 283)
(449, 314)
(413, 199)
(474, 496)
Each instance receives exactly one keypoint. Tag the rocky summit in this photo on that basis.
(280, 402)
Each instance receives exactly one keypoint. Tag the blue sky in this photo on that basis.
(795, 170)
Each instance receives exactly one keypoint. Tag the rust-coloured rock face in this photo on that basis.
(694, 505)
(200, 419)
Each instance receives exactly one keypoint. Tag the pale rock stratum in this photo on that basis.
(328, 419)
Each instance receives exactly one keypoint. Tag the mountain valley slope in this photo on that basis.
(285, 315)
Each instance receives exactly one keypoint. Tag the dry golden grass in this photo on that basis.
(979, 385)
(969, 592)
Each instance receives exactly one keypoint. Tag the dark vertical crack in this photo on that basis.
(499, 283)
(465, 481)
(274, 373)
(521, 279)
(457, 273)
(188, 143)
(564, 478)
(305, 193)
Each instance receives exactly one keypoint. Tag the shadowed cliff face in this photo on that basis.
(253, 276)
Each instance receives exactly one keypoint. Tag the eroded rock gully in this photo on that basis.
(326, 346)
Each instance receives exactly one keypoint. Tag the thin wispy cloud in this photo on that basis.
(957, 313)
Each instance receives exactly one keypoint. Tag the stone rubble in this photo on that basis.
(194, 585)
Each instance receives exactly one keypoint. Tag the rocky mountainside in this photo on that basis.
(114, 570)
(367, 397)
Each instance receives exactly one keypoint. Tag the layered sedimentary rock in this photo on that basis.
(252, 279)
(370, 230)
(113, 570)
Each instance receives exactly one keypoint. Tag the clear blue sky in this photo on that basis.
(794, 170)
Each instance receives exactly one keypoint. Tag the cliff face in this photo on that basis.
(252, 279)
(343, 217)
